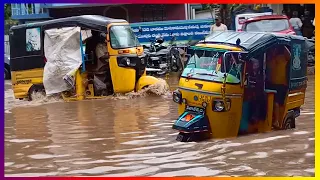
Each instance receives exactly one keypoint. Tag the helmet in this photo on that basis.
(159, 39)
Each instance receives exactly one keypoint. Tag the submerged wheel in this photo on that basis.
(289, 123)
(184, 137)
(36, 89)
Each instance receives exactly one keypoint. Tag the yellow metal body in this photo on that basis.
(22, 81)
(226, 124)
(123, 79)
(293, 100)
(222, 124)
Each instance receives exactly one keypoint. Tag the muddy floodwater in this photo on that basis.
(128, 136)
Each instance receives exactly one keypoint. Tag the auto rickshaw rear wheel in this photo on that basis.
(36, 89)
(289, 123)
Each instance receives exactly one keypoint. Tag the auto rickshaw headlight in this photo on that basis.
(177, 96)
(127, 60)
(218, 106)
(124, 62)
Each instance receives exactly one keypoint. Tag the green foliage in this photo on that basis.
(7, 16)
(210, 6)
(7, 11)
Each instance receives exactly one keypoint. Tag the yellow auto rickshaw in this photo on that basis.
(241, 82)
(81, 57)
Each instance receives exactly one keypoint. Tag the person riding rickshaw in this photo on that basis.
(254, 82)
(81, 57)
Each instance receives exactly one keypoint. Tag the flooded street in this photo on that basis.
(134, 137)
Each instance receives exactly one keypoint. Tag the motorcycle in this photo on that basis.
(175, 56)
(160, 59)
(156, 56)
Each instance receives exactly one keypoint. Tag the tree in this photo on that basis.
(7, 17)
(211, 8)
(7, 11)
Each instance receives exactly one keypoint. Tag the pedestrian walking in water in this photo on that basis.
(296, 23)
(218, 26)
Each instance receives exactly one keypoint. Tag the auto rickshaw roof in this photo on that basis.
(95, 22)
(250, 41)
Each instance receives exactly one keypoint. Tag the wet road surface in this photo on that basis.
(133, 137)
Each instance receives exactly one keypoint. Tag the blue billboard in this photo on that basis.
(183, 30)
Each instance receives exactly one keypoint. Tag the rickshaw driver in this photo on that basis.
(256, 97)
(277, 77)
(92, 42)
(100, 68)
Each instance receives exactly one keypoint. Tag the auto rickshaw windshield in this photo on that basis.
(210, 65)
(122, 36)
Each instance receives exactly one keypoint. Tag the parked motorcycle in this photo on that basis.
(156, 56)
(162, 59)
(175, 56)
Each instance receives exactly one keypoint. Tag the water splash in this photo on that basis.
(37, 99)
(161, 88)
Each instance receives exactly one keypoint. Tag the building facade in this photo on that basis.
(289, 8)
(133, 13)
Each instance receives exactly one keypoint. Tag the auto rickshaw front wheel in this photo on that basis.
(185, 137)
(189, 137)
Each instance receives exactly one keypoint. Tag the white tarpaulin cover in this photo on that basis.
(62, 51)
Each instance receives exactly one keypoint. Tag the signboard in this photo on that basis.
(183, 30)
(298, 70)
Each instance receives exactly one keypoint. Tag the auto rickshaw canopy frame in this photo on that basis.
(253, 42)
(256, 43)
(94, 22)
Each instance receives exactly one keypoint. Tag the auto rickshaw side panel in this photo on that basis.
(124, 79)
(297, 79)
(295, 99)
(26, 64)
(222, 124)
(22, 81)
